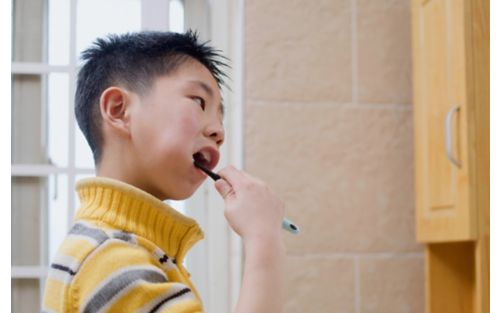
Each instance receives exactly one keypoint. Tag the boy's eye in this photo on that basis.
(200, 101)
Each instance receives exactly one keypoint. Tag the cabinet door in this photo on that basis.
(439, 66)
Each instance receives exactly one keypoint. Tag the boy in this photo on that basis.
(149, 104)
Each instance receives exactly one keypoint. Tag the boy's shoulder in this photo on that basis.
(95, 259)
(87, 240)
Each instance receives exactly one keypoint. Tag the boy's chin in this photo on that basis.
(179, 195)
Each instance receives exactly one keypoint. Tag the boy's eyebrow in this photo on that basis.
(209, 90)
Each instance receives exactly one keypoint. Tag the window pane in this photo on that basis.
(58, 213)
(28, 25)
(28, 196)
(39, 126)
(176, 16)
(83, 154)
(30, 32)
(197, 17)
(59, 16)
(77, 199)
(28, 122)
(40, 215)
(177, 205)
(97, 18)
(58, 112)
(25, 295)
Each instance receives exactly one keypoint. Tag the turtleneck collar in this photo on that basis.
(131, 209)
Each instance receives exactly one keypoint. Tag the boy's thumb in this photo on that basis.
(223, 188)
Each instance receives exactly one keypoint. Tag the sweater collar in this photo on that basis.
(131, 209)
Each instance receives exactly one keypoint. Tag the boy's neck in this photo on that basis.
(115, 170)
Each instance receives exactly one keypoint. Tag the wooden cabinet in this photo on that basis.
(443, 211)
(450, 40)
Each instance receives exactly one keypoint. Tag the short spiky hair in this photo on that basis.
(134, 60)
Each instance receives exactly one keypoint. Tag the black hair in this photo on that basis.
(134, 60)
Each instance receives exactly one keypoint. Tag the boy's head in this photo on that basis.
(148, 103)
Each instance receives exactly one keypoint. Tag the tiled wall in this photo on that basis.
(329, 126)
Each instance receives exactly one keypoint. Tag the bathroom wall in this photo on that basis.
(329, 125)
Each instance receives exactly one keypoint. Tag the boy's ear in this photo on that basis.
(115, 108)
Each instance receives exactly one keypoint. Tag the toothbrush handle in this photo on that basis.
(290, 226)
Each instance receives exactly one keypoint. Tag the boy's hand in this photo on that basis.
(252, 209)
(256, 213)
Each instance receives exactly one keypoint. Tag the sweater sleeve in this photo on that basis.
(120, 277)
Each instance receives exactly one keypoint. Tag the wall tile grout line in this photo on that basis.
(353, 255)
(357, 286)
(381, 106)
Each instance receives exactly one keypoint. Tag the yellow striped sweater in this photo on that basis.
(123, 254)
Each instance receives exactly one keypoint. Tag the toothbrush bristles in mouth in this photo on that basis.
(200, 159)
(206, 170)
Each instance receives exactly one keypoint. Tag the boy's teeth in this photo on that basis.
(206, 156)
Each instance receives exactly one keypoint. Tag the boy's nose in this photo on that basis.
(216, 132)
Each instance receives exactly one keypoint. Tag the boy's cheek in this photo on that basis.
(188, 125)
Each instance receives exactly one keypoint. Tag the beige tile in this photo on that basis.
(394, 285)
(298, 50)
(345, 173)
(319, 285)
(384, 49)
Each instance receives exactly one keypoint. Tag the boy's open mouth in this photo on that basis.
(207, 157)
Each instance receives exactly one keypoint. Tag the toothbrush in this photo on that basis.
(286, 224)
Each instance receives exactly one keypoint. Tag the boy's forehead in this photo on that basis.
(200, 83)
(194, 75)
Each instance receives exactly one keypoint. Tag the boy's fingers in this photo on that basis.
(231, 175)
(223, 188)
